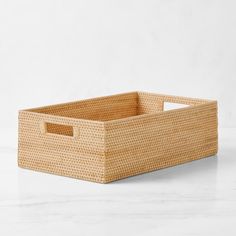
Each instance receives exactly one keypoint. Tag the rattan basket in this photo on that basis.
(110, 138)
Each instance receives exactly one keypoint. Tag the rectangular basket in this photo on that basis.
(109, 138)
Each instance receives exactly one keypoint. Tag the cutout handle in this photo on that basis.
(173, 105)
(59, 129)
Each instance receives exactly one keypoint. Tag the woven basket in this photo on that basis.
(110, 138)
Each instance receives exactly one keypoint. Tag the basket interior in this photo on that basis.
(112, 107)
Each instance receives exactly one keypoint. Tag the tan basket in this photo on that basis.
(110, 138)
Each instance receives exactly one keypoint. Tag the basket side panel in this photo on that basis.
(79, 157)
(101, 109)
(161, 140)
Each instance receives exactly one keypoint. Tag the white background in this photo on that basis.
(54, 51)
(59, 51)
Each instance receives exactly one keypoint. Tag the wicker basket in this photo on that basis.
(110, 138)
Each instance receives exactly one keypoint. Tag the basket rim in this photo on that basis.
(203, 102)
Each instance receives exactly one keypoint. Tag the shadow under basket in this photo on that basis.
(109, 138)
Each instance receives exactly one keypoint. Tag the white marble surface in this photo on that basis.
(198, 198)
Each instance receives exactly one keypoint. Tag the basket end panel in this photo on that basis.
(80, 156)
(166, 139)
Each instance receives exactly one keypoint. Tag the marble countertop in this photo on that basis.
(198, 198)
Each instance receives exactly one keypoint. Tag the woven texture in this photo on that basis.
(110, 138)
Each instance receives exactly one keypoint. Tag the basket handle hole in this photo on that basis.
(171, 106)
(65, 130)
